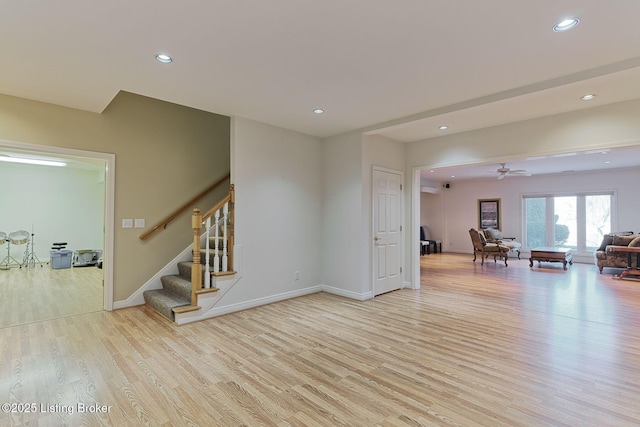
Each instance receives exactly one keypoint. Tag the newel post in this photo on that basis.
(196, 268)
(232, 200)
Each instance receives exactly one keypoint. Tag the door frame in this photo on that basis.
(415, 228)
(401, 243)
(109, 215)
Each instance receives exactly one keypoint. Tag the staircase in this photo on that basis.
(175, 295)
(192, 293)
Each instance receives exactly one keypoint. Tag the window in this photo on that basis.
(578, 221)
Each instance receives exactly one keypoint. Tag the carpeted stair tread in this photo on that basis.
(184, 269)
(177, 285)
(164, 302)
(176, 289)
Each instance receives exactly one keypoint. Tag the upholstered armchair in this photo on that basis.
(486, 249)
(495, 236)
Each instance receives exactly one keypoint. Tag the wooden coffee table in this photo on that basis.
(551, 254)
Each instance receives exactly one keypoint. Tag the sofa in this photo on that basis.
(604, 258)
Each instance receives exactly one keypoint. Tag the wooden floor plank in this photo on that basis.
(41, 293)
(475, 346)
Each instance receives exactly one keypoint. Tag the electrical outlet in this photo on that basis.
(127, 223)
(296, 275)
(139, 223)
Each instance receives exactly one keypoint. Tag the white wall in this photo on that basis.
(304, 205)
(278, 181)
(58, 204)
(432, 215)
(459, 203)
(348, 162)
(344, 268)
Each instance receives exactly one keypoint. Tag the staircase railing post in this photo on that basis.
(207, 255)
(216, 244)
(225, 246)
(231, 238)
(196, 268)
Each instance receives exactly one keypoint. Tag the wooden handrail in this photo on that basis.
(215, 207)
(163, 224)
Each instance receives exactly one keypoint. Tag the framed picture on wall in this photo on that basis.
(489, 213)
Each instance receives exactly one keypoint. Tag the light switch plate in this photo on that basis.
(139, 223)
(127, 223)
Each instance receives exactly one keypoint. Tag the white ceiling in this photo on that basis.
(566, 163)
(399, 69)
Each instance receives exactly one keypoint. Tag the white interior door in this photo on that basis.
(387, 231)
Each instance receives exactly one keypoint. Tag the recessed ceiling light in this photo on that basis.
(318, 111)
(453, 176)
(165, 59)
(432, 171)
(588, 97)
(443, 127)
(607, 162)
(566, 24)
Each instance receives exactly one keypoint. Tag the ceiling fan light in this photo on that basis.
(503, 171)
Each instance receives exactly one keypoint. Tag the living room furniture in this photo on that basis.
(551, 254)
(486, 249)
(615, 259)
(426, 241)
(495, 236)
(630, 273)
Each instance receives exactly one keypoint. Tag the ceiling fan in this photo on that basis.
(503, 171)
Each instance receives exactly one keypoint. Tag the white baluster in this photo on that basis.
(225, 255)
(207, 275)
(216, 233)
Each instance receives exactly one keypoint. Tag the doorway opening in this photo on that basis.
(49, 205)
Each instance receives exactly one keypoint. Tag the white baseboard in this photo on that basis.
(232, 308)
(226, 309)
(347, 294)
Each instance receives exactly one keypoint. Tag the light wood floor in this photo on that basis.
(476, 346)
(42, 293)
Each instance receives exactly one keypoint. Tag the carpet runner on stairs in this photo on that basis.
(176, 289)
(175, 292)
